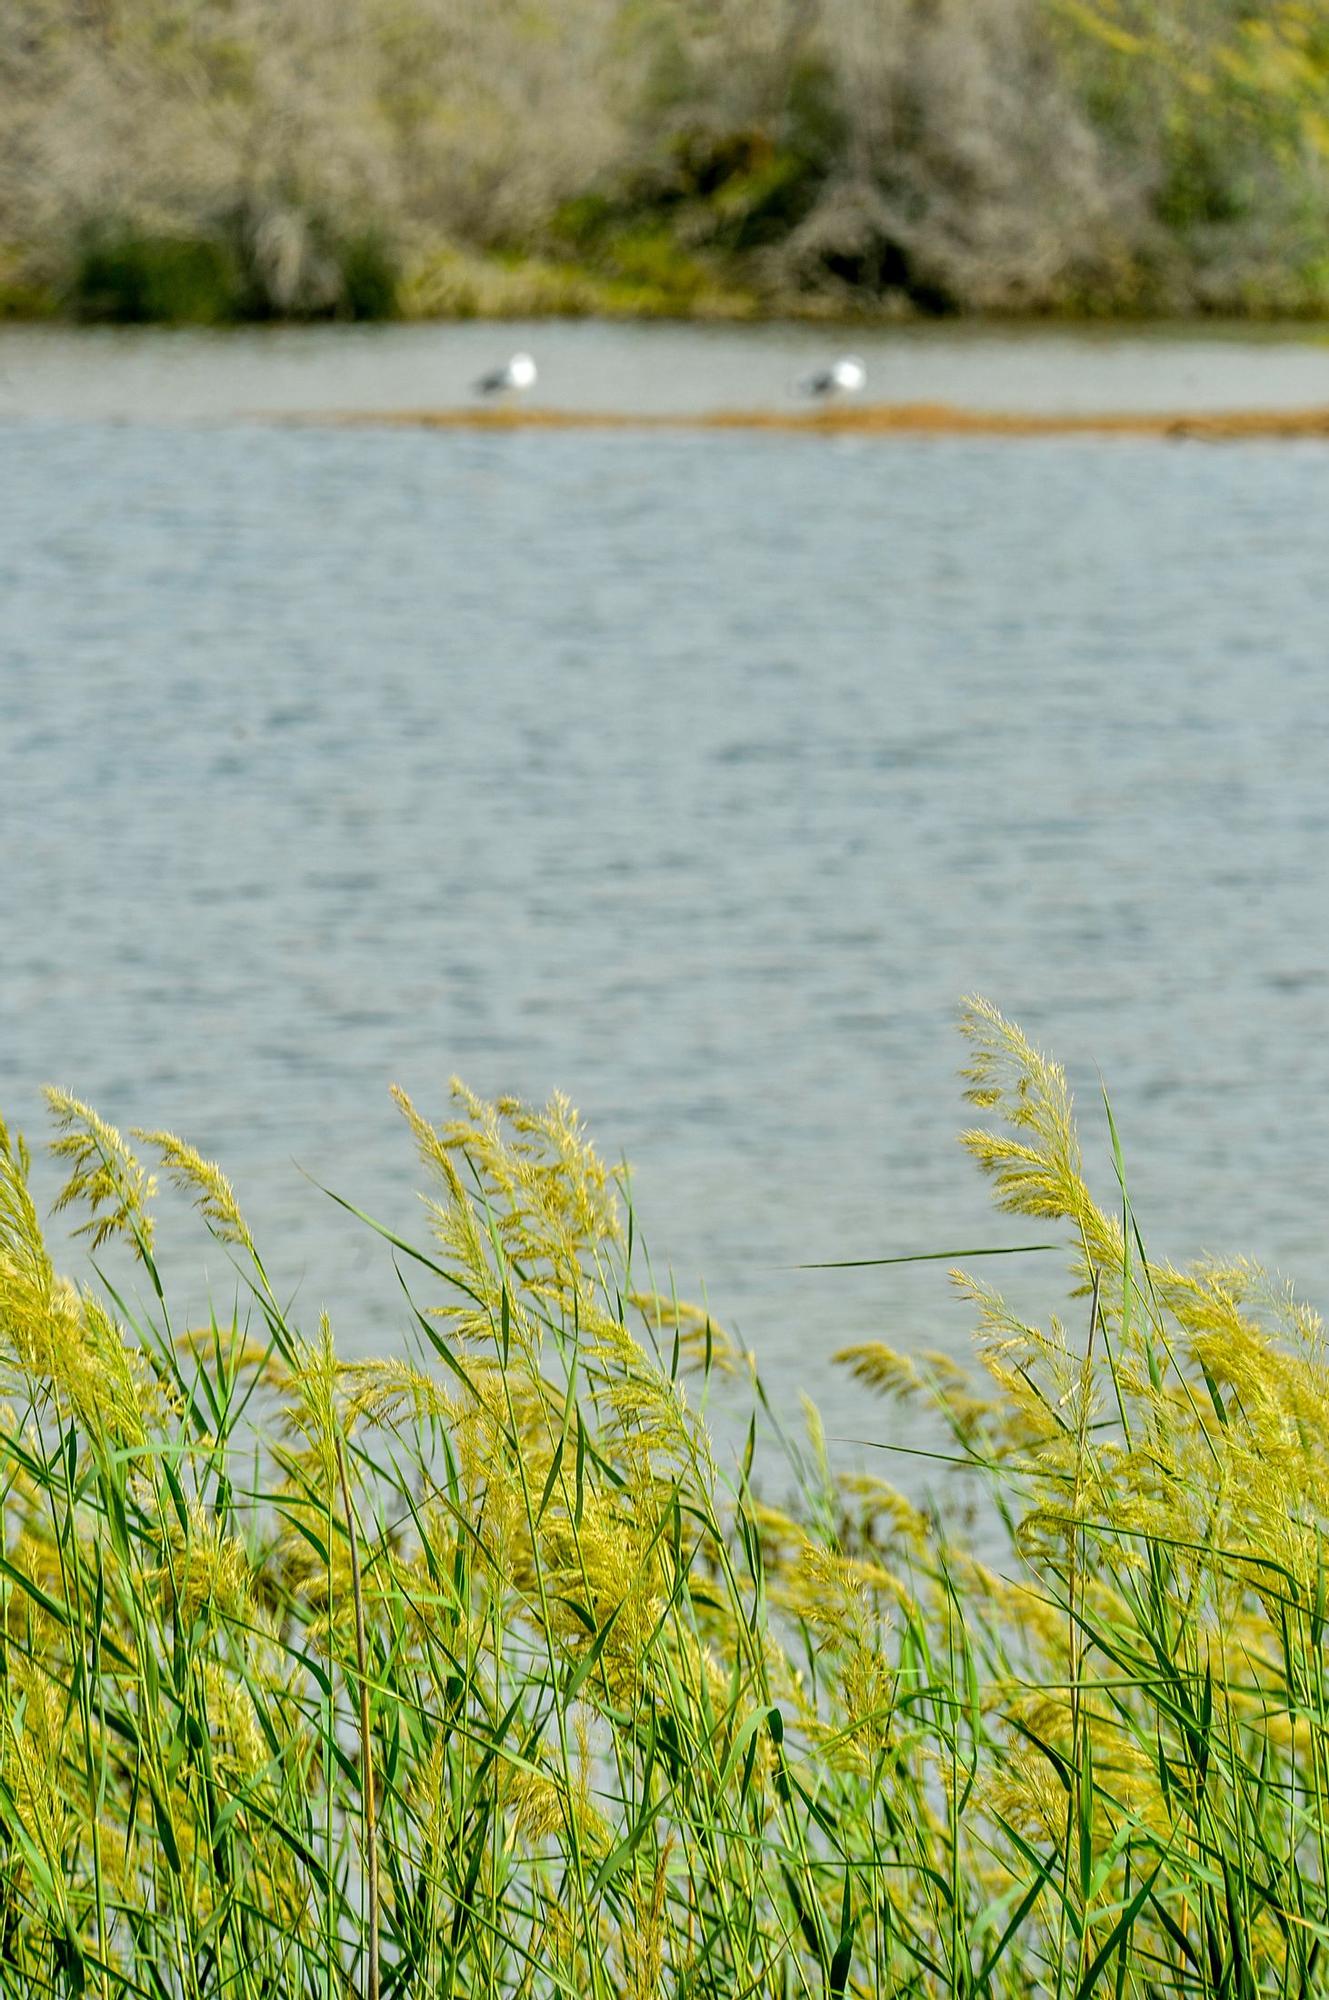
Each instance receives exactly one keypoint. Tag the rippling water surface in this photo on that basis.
(695, 774)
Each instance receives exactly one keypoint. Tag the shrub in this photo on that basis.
(282, 266)
(369, 276)
(132, 279)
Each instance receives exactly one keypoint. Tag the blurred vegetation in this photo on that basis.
(354, 158)
(130, 277)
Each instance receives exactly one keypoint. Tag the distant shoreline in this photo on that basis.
(569, 296)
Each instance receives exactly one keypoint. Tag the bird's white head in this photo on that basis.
(849, 373)
(521, 371)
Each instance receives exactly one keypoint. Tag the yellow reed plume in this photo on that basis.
(204, 1181)
(105, 1175)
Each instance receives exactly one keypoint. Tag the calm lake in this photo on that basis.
(695, 774)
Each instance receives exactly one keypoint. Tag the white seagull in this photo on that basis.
(516, 374)
(844, 377)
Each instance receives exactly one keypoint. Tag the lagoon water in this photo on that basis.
(696, 774)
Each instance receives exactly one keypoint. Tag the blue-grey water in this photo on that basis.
(696, 774)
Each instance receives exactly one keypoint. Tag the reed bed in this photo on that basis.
(476, 1670)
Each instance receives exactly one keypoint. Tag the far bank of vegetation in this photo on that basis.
(162, 160)
(475, 1669)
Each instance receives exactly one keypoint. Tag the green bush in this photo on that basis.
(131, 279)
(370, 278)
(134, 279)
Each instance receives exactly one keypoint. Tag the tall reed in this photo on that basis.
(473, 1671)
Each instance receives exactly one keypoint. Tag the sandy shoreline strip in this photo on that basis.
(869, 420)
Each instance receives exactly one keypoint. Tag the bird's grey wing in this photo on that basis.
(490, 384)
